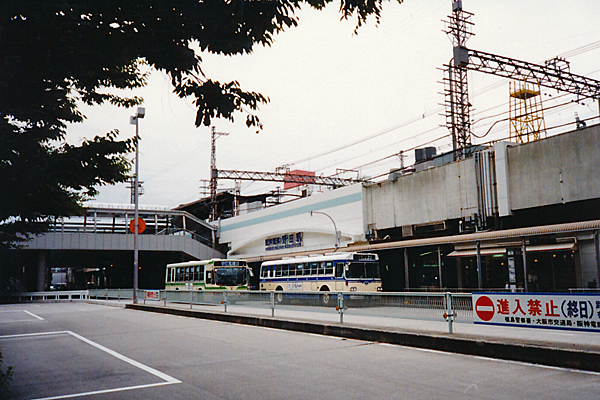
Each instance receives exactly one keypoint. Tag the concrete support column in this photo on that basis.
(406, 274)
(524, 253)
(42, 272)
(439, 251)
(479, 277)
(597, 249)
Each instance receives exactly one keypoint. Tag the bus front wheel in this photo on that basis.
(325, 298)
(279, 295)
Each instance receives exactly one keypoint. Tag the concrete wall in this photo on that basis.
(555, 170)
(108, 242)
(437, 194)
(559, 169)
(246, 233)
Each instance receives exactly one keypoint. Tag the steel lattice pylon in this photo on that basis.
(458, 107)
(526, 113)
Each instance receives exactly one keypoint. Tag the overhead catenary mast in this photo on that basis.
(213, 171)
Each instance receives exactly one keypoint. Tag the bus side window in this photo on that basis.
(306, 269)
(168, 274)
(328, 267)
(314, 268)
(284, 270)
(209, 277)
(320, 268)
(339, 270)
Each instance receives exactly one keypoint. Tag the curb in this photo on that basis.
(550, 356)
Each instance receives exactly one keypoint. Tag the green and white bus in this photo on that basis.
(211, 274)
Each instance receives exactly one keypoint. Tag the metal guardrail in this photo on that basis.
(432, 306)
(449, 307)
(115, 220)
(44, 296)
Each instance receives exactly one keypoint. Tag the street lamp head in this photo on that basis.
(141, 112)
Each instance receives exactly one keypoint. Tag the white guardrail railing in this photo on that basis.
(434, 306)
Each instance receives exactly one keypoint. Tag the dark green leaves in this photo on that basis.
(56, 54)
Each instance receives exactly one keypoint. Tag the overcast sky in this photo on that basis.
(350, 101)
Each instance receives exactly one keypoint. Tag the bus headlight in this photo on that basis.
(379, 288)
(353, 289)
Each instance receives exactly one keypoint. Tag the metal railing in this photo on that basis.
(45, 296)
(380, 309)
(449, 307)
(116, 220)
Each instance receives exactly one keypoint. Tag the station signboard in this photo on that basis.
(569, 311)
(284, 241)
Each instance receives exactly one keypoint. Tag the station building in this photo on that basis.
(525, 216)
(522, 216)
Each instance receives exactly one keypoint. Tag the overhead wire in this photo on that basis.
(570, 53)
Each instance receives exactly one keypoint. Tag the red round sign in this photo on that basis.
(484, 308)
(141, 225)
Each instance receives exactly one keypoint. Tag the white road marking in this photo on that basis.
(127, 359)
(33, 315)
(168, 380)
(18, 320)
(22, 335)
(67, 396)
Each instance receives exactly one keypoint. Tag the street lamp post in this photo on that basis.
(337, 234)
(141, 112)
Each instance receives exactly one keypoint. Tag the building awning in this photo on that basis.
(502, 250)
(464, 239)
(473, 252)
(551, 247)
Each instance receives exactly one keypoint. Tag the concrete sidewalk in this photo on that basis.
(567, 349)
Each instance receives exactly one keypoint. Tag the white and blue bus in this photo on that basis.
(333, 272)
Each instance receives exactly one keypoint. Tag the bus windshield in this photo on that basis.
(362, 270)
(229, 276)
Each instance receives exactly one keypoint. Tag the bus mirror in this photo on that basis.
(251, 273)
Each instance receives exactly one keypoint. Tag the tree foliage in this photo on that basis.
(57, 54)
(5, 380)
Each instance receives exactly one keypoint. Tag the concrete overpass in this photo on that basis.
(96, 249)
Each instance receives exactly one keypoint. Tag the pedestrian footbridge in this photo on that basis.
(101, 239)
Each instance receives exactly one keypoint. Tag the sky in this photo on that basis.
(342, 101)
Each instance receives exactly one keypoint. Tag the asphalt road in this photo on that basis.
(80, 350)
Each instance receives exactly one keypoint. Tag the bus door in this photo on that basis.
(314, 271)
(339, 276)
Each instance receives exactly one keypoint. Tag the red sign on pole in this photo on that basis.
(141, 225)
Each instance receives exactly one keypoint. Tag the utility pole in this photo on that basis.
(134, 120)
(458, 108)
(214, 173)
